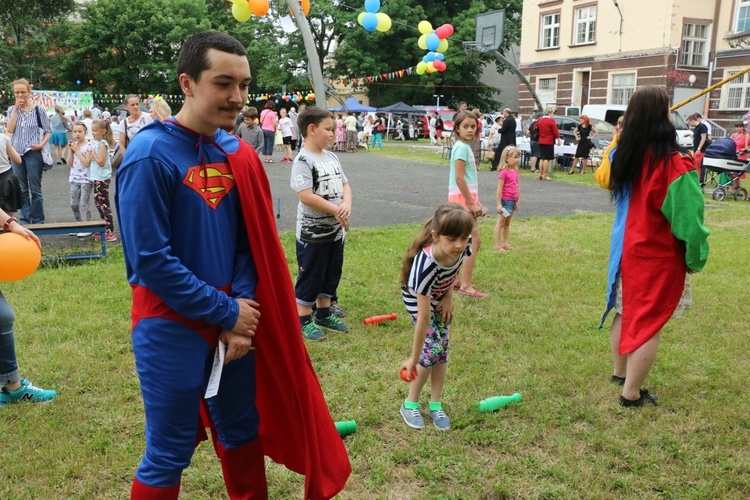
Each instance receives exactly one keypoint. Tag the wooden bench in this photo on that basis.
(74, 227)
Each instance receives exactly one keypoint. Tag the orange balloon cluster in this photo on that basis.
(19, 257)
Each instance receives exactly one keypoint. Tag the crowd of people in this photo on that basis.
(193, 258)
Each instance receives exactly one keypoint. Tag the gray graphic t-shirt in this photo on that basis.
(324, 175)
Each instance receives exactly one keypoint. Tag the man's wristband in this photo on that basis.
(6, 226)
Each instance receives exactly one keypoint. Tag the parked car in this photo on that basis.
(611, 112)
(567, 124)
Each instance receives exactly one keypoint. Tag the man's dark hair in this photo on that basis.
(311, 115)
(193, 58)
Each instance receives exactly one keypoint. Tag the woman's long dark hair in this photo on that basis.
(646, 128)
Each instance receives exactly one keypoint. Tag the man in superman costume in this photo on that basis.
(206, 266)
(658, 237)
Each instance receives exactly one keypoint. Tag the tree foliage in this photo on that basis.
(127, 46)
(26, 33)
(363, 53)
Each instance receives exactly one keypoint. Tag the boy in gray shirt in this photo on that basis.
(249, 131)
(322, 221)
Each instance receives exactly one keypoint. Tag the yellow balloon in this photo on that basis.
(422, 42)
(384, 22)
(359, 18)
(241, 11)
(259, 7)
(421, 67)
(431, 67)
(425, 27)
(443, 45)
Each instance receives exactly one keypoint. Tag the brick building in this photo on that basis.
(578, 52)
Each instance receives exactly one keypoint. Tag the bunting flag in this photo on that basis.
(383, 77)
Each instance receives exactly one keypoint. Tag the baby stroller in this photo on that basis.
(721, 166)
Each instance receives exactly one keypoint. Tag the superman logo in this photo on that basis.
(213, 181)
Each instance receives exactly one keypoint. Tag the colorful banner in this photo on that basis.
(48, 99)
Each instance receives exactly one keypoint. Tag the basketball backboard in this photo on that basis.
(489, 33)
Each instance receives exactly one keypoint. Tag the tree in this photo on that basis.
(25, 29)
(131, 45)
(361, 53)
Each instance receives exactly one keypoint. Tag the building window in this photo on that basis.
(694, 43)
(546, 91)
(743, 16)
(550, 31)
(585, 25)
(736, 94)
(623, 87)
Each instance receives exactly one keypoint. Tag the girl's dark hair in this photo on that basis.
(451, 220)
(652, 132)
(270, 105)
(463, 115)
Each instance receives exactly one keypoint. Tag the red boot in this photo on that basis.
(141, 491)
(245, 471)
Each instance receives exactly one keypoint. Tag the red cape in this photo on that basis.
(296, 428)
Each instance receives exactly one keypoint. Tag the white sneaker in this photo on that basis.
(83, 235)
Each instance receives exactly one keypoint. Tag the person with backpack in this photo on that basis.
(378, 129)
(25, 120)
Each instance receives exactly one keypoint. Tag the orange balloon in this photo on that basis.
(305, 7)
(19, 257)
(259, 7)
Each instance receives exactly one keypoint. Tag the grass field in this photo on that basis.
(535, 334)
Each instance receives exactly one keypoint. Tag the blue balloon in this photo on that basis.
(78, 82)
(372, 6)
(370, 21)
(430, 56)
(440, 56)
(432, 42)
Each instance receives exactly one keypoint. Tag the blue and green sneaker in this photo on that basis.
(27, 392)
(312, 332)
(331, 322)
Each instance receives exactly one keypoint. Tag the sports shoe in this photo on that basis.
(27, 392)
(412, 417)
(617, 380)
(97, 236)
(440, 419)
(644, 398)
(311, 332)
(110, 236)
(335, 309)
(83, 235)
(332, 322)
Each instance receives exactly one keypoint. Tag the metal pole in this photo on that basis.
(709, 89)
(312, 55)
(521, 77)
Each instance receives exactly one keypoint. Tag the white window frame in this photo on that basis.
(546, 89)
(735, 95)
(689, 42)
(620, 94)
(588, 24)
(742, 5)
(549, 32)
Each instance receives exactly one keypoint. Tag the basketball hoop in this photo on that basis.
(473, 48)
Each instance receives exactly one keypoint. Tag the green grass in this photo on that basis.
(535, 334)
